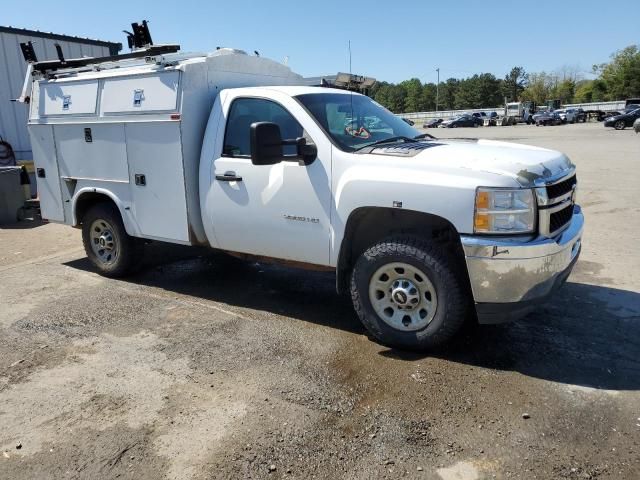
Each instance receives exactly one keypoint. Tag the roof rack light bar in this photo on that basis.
(348, 81)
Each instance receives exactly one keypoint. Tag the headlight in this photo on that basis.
(504, 211)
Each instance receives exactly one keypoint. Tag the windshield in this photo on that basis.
(354, 121)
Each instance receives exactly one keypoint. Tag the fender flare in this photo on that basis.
(131, 227)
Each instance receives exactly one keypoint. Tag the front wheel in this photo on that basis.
(619, 125)
(409, 294)
(107, 244)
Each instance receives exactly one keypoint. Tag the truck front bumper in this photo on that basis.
(510, 276)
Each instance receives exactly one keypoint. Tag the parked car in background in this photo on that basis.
(547, 118)
(636, 125)
(567, 115)
(490, 120)
(627, 119)
(433, 123)
(581, 115)
(631, 102)
(460, 121)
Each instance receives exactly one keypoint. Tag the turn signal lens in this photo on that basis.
(481, 222)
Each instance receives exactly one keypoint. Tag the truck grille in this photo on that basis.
(561, 188)
(557, 210)
(560, 218)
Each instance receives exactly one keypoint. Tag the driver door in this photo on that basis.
(280, 211)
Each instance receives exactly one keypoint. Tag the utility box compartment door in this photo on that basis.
(157, 180)
(95, 151)
(141, 93)
(68, 98)
(47, 175)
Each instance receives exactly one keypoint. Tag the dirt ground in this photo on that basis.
(204, 367)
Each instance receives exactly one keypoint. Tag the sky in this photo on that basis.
(390, 40)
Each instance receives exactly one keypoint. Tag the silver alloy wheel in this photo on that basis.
(103, 241)
(403, 296)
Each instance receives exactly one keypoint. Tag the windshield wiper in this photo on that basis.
(386, 140)
(424, 135)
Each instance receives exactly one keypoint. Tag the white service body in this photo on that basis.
(158, 135)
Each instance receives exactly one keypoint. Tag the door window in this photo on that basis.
(244, 112)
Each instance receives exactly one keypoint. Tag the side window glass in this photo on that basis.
(244, 112)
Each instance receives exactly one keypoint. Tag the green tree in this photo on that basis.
(599, 91)
(564, 91)
(584, 92)
(621, 76)
(478, 91)
(429, 96)
(391, 96)
(538, 87)
(448, 91)
(514, 83)
(413, 101)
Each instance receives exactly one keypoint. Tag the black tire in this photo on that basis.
(129, 250)
(619, 125)
(441, 270)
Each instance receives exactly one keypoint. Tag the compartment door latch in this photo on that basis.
(138, 97)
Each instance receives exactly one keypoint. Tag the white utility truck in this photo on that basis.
(234, 152)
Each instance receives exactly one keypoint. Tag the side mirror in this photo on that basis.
(307, 152)
(266, 143)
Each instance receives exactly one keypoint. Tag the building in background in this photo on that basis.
(13, 115)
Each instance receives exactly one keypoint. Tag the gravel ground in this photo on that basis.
(205, 367)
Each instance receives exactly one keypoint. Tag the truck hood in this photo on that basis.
(526, 164)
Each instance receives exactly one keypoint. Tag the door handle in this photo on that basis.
(229, 177)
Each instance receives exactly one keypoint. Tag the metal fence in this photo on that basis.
(424, 116)
(418, 117)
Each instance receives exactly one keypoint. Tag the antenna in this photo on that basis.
(351, 93)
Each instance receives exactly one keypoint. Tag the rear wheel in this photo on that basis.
(409, 294)
(110, 249)
(619, 125)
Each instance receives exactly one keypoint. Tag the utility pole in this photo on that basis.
(438, 89)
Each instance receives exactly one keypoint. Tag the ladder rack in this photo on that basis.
(53, 65)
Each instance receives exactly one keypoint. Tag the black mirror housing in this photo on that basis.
(307, 152)
(266, 143)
